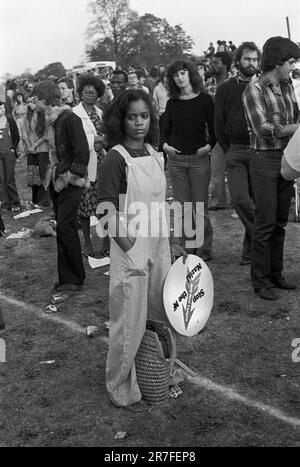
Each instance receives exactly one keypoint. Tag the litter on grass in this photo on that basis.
(59, 297)
(120, 435)
(98, 262)
(175, 391)
(92, 331)
(27, 213)
(49, 309)
(23, 233)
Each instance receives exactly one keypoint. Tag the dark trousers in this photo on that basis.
(241, 192)
(8, 189)
(41, 161)
(272, 195)
(69, 257)
(40, 196)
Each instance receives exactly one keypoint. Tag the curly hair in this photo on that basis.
(114, 115)
(89, 80)
(194, 76)
(241, 49)
(278, 50)
(48, 91)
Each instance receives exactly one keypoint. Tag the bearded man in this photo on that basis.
(233, 137)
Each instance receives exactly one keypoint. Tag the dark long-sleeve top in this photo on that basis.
(112, 177)
(189, 124)
(230, 120)
(72, 149)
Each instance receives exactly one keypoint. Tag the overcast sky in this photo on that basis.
(34, 33)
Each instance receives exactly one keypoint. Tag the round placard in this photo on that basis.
(188, 295)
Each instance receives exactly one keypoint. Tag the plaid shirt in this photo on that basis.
(268, 109)
(211, 86)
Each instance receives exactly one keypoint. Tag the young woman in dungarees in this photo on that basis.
(139, 261)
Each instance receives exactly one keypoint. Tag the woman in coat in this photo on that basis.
(90, 89)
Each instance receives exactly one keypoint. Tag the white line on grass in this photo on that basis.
(193, 377)
(229, 393)
(51, 317)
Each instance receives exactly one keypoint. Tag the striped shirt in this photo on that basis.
(268, 109)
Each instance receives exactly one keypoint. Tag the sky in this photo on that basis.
(34, 33)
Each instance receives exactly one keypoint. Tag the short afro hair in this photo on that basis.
(89, 80)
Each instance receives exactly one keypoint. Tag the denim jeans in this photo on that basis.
(272, 195)
(190, 176)
(241, 192)
(218, 162)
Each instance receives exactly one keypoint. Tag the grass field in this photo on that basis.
(245, 389)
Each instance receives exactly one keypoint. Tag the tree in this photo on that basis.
(108, 26)
(100, 51)
(154, 40)
(56, 69)
(146, 41)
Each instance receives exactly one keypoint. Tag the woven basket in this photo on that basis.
(153, 362)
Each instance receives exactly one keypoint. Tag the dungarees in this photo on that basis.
(136, 280)
(8, 189)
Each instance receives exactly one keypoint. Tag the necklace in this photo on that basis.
(137, 152)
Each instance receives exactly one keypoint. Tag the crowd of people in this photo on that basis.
(108, 138)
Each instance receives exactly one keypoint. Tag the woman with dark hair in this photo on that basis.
(132, 175)
(19, 111)
(90, 89)
(188, 117)
(34, 137)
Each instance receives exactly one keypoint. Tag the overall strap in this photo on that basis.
(157, 155)
(125, 154)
